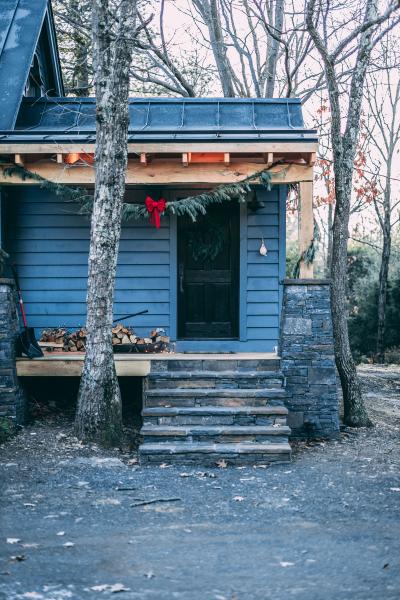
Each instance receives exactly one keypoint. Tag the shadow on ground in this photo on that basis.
(82, 523)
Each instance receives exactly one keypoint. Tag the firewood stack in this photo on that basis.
(75, 341)
(123, 335)
(123, 340)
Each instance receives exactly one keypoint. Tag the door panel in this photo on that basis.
(208, 274)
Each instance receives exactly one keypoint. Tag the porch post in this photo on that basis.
(306, 226)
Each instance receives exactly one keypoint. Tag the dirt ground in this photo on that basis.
(82, 523)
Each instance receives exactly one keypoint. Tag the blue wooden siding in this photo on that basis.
(49, 242)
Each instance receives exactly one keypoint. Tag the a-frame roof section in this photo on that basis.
(22, 22)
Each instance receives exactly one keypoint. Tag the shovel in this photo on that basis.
(27, 343)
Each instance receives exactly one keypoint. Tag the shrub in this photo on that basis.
(7, 429)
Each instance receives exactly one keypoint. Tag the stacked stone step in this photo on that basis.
(207, 410)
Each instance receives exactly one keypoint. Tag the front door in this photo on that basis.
(208, 274)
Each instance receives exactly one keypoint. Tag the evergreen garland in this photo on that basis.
(193, 206)
(309, 253)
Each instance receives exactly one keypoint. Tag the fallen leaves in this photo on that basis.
(68, 544)
(286, 564)
(238, 498)
(113, 588)
(18, 557)
(107, 502)
(13, 540)
(222, 463)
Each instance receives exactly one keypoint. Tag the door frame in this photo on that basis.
(170, 194)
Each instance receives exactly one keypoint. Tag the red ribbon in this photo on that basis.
(155, 209)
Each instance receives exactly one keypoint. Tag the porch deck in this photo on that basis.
(128, 365)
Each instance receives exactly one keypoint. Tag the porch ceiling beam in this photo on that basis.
(163, 147)
(165, 173)
(19, 160)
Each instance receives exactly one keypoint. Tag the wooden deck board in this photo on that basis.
(57, 364)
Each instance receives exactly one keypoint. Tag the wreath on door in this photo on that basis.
(207, 244)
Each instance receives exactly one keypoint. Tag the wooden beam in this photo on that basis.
(269, 158)
(185, 159)
(18, 159)
(312, 158)
(164, 173)
(60, 159)
(143, 159)
(306, 226)
(227, 158)
(66, 365)
(164, 147)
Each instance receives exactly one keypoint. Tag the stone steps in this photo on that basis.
(216, 434)
(211, 454)
(213, 396)
(233, 411)
(216, 379)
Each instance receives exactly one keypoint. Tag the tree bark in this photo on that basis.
(344, 150)
(328, 265)
(209, 11)
(99, 415)
(384, 267)
(274, 49)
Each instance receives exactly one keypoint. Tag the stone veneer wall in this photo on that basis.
(12, 398)
(308, 363)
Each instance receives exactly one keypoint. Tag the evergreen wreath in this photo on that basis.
(206, 244)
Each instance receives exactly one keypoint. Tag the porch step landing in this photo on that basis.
(201, 415)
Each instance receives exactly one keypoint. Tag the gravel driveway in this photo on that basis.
(81, 523)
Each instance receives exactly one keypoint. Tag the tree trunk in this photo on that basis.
(384, 268)
(328, 265)
(355, 413)
(99, 403)
(80, 73)
(274, 48)
(209, 11)
(344, 146)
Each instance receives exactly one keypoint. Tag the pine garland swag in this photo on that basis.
(191, 206)
(308, 255)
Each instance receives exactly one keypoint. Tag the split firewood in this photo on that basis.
(125, 340)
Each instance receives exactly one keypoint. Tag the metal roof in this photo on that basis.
(165, 119)
(21, 23)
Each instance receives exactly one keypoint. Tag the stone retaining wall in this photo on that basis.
(12, 399)
(308, 363)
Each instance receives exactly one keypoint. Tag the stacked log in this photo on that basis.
(123, 335)
(75, 341)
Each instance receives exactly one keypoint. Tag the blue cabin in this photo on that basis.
(217, 285)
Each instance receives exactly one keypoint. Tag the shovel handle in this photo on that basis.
(21, 302)
(142, 312)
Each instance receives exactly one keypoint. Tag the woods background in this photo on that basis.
(261, 48)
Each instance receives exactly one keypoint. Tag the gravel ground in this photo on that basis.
(79, 522)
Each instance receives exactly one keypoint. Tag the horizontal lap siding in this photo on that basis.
(49, 242)
(262, 293)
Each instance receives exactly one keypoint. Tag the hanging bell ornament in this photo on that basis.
(263, 248)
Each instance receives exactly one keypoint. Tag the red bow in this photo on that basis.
(155, 209)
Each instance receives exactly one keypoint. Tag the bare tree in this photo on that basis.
(73, 18)
(99, 403)
(383, 127)
(364, 34)
(239, 47)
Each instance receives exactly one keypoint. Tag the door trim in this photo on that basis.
(240, 308)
